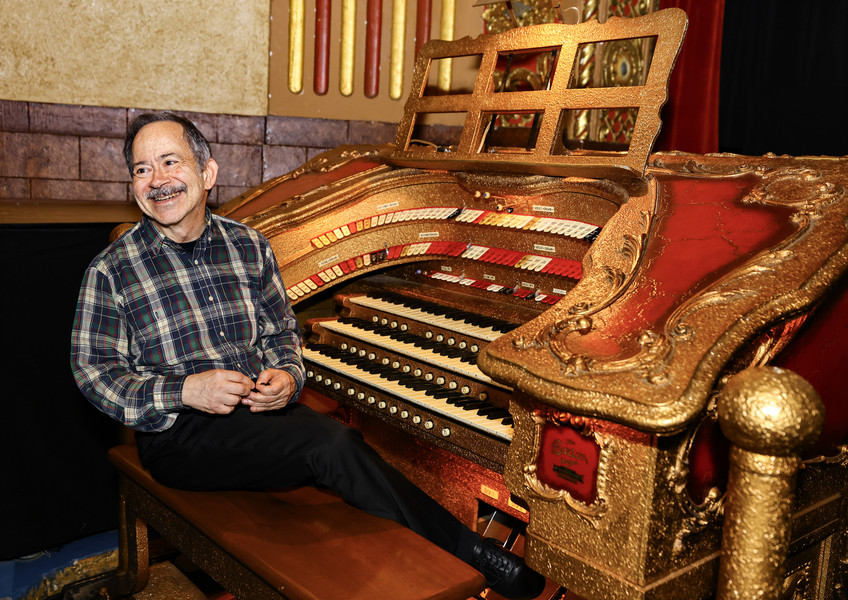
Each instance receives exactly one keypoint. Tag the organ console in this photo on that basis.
(551, 329)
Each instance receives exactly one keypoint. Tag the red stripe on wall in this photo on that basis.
(373, 27)
(422, 23)
(322, 47)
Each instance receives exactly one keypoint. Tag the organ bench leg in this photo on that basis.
(133, 549)
(768, 414)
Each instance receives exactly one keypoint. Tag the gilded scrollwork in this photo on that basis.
(839, 459)
(631, 8)
(696, 517)
(498, 18)
(655, 348)
(579, 317)
(800, 187)
(592, 513)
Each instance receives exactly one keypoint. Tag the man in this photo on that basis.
(183, 332)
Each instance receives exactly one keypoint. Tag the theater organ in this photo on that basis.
(549, 327)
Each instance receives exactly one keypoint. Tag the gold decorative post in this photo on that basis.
(348, 42)
(397, 50)
(446, 31)
(297, 12)
(768, 414)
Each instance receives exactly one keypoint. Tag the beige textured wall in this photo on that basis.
(201, 55)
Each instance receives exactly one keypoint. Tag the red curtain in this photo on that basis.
(690, 117)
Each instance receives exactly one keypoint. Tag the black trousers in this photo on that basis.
(295, 446)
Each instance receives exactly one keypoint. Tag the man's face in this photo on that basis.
(168, 184)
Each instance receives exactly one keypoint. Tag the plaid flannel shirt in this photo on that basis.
(149, 314)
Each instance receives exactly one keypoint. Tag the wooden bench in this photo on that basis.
(299, 544)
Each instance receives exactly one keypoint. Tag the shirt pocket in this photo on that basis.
(156, 326)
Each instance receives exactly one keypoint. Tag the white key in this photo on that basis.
(492, 426)
(484, 333)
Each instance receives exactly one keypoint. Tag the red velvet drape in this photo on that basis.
(690, 117)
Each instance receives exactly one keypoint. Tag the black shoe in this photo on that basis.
(505, 572)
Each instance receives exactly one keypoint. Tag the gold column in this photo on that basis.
(348, 40)
(446, 31)
(768, 414)
(297, 24)
(397, 49)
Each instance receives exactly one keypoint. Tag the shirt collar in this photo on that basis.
(155, 239)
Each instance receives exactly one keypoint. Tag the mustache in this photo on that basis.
(166, 190)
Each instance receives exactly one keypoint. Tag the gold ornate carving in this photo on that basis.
(671, 161)
(796, 584)
(697, 516)
(631, 8)
(659, 373)
(623, 64)
(592, 513)
(330, 161)
(590, 9)
(838, 459)
(655, 348)
(800, 187)
(498, 19)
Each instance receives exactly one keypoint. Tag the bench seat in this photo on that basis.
(302, 544)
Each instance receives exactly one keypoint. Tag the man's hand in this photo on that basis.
(274, 389)
(216, 391)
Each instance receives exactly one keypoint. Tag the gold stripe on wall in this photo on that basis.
(346, 64)
(398, 45)
(297, 23)
(446, 32)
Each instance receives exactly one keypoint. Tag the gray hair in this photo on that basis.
(196, 141)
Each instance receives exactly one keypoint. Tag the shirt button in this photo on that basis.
(221, 333)
(197, 262)
(210, 298)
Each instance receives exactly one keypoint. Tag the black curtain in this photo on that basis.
(57, 484)
(784, 78)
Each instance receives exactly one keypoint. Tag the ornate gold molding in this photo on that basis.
(839, 459)
(616, 279)
(498, 19)
(592, 513)
(697, 517)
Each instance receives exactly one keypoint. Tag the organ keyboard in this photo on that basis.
(413, 363)
(553, 324)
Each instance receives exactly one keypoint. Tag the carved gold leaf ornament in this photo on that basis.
(579, 321)
(838, 459)
(697, 516)
(591, 513)
(527, 12)
(801, 187)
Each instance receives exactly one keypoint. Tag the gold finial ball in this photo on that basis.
(770, 410)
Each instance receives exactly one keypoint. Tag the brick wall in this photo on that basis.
(55, 153)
